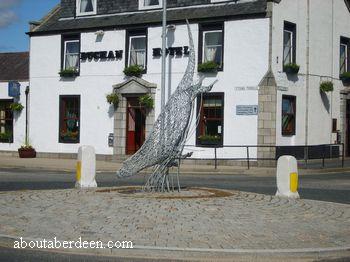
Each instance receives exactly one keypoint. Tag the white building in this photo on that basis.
(14, 69)
(254, 103)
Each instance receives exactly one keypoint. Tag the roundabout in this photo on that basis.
(196, 220)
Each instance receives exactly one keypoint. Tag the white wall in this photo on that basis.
(328, 21)
(246, 58)
(19, 118)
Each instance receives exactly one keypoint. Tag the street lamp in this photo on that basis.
(163, 56)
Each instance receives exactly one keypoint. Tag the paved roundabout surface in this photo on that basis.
(195, 220)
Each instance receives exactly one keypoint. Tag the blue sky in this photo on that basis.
(14, 18)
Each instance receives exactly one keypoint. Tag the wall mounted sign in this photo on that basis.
(103, 55)
(172, 51)
(246, 88)
(247, 110)
(14, 89)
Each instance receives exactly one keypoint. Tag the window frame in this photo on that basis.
(211, 27)
(66, 39)
(294, 101)
(60, 119)
(199, 113)
(129, 50)
(290, 28)
(344, 41)
(136, 33)
(12, 123)
(78, 5)
(143, 7)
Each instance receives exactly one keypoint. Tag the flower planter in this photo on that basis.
(291, 69)
(68, 73)
(345, 79)
(27, 152)
(208, 67)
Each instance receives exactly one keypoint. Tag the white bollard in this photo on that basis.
(86, 168)
(287, 177)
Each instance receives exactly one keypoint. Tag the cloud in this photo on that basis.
(4, 4)
(7, 17)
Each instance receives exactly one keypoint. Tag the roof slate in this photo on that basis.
(14, 66)
(55, 24)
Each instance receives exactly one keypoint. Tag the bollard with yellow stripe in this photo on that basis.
(86, 168)
(287, 177)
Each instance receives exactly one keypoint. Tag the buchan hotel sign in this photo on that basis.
(118, 54)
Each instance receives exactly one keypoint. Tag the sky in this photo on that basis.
(14, 18)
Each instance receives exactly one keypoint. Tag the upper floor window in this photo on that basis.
(211, 44)
(289, 43)
(137, 48)
(344, 55)
(71, 52)
(150, 4)
(86, 7)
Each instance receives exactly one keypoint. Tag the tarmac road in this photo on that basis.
(331, 187)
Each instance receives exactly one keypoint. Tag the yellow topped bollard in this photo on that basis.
(287, 177)
(86, 168)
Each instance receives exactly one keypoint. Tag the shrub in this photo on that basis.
(69, 72)
(291, 68)
(208, 67)
(16, 107)
(146, 101)
(113, 99)
(326, 86)
(134, 70)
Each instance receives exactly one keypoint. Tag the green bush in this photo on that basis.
(326, 86)
(146, 101)
(113, 99)
(208, 67)
(134, 70)
(69, 72)
(291, 68)
(16, 107)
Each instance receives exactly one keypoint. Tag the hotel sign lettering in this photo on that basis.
(172, 51)
(101, 55)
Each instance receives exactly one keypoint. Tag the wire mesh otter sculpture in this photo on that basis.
(165, 144)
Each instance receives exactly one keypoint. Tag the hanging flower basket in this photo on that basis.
(326, 86)
(113, 99)
(291, 68)
(69, 72)
(208, 67)
(16, 107)
(146, 101)
(134, 70)
(345, 78)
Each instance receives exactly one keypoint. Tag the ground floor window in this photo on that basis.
(211, 113)
(6, 122)
(69, 129)
(288, 115)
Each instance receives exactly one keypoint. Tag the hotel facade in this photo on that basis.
(270, 58)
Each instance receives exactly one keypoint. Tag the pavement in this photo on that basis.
(196, 224)
(69, 165)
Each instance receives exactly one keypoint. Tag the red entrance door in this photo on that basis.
(135, 125)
